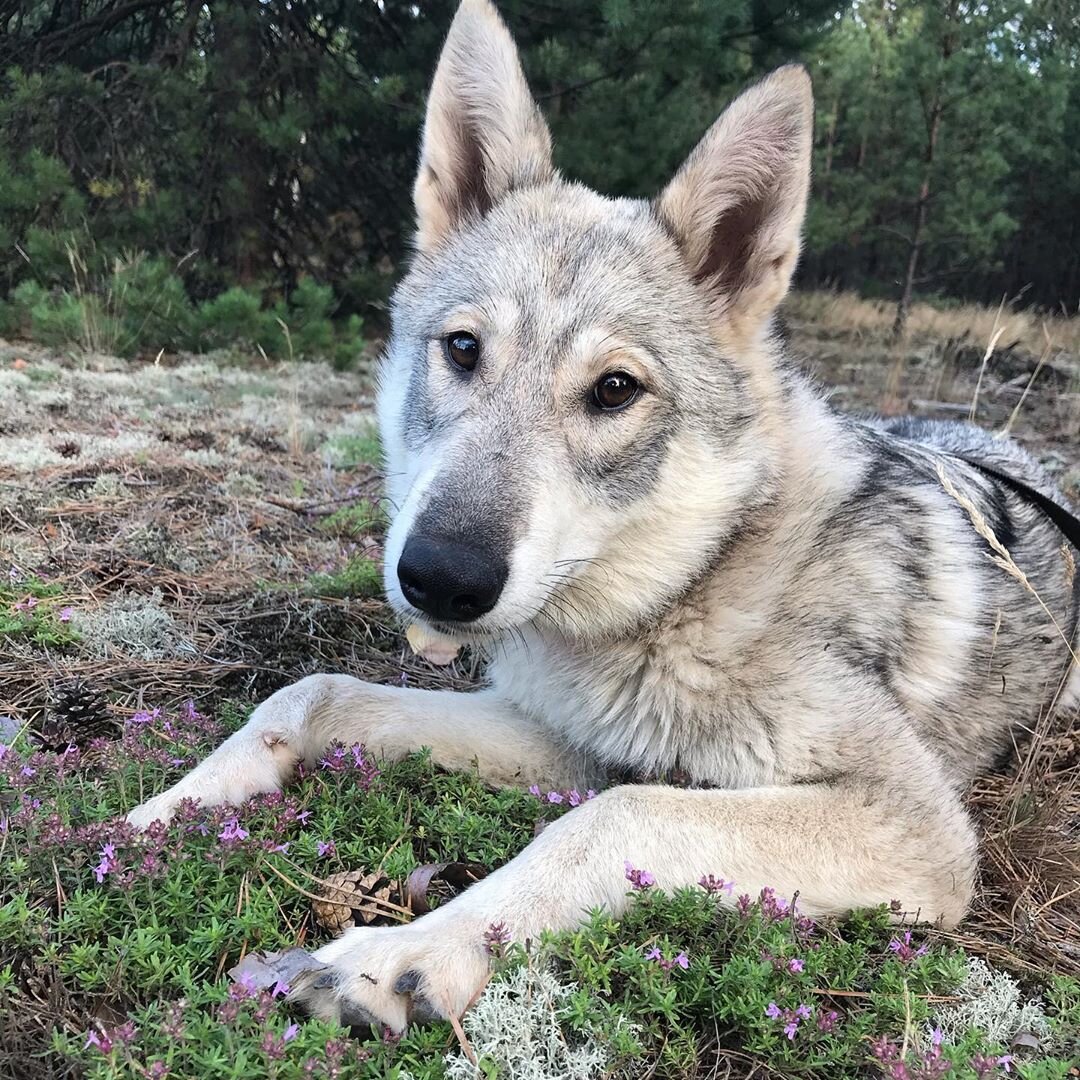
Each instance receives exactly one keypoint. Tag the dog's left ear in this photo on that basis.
(484, 135)
(737, 204)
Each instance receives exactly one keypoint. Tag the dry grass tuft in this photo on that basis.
(846, 312)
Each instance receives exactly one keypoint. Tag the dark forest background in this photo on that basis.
(185, 168)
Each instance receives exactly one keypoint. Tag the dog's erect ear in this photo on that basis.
(483, 134)
(737, 204)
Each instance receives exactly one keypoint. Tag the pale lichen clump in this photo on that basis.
(131, 624)
(514, 1029)
(991, 1002)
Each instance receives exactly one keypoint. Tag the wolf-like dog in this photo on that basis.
(604, 471)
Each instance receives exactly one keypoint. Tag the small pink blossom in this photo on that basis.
(108, 863)
(795, 964)
(903, 949)
(233, 831)
(827, 1020)
(681, 960)
(496, 938)
(639, 879)
(65, 613)
(716, 885)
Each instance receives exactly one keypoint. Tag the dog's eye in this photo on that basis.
(615, 390)
(463, 349)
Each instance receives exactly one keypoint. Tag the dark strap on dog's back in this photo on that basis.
(1067, 522)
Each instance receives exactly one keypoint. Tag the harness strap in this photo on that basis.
(1066, 521)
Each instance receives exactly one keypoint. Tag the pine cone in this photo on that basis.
(350, 898)
(77, 715)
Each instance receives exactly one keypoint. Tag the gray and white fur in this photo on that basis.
(722, 579)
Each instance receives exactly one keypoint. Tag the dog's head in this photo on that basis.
(575, 399)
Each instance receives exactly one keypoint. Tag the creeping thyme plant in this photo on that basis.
(115, 947)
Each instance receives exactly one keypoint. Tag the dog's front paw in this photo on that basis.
(160, 808)
(397, 975)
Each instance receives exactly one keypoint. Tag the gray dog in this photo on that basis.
(681, 559)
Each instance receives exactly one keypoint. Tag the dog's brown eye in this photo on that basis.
(615, 390)
(463, 349)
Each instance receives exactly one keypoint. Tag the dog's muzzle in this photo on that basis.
(449, 580)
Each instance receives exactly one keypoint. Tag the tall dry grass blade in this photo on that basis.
(995, 334)
(1043, 357)
(1001, 557)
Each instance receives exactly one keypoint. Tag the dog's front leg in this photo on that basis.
(298, 722)
(840, 845)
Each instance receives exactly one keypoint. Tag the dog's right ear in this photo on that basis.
(483, 134)
(736, 206)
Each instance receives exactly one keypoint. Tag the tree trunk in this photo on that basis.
(919, 226)
(830, 146)
(933, 128)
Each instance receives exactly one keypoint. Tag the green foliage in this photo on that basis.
(348, 451)
(32, 610)
(998, 163)
(358, 577)
(272, 155)
(357, 520)
(176, 907)
(141, 305)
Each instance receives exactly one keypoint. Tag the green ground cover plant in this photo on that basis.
(33, 610)
(134, 934)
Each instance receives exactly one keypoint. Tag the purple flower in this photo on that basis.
(27, 604)
(773, 907)
(65, 613)
(795, 964)
(534, 789)
(102, 1041)
(639, 879)
(232, 832)
(904, 952)
(326, 847)
(108, 863)
(280, 988)
(790, 1018)
(716, 885)
(291, 1032)
(496, 938)
(827, 1020)
(681, 959)
(554, 797)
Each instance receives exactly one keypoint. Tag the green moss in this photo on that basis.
(352, 522)
(360, 577)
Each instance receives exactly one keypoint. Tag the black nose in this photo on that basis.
(449, 580)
